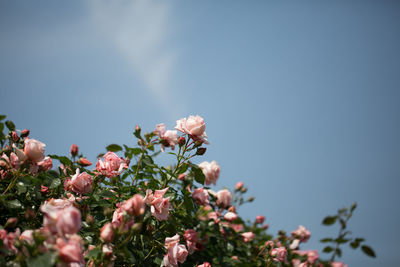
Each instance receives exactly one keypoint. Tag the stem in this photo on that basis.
(137, 168)
(11, 185)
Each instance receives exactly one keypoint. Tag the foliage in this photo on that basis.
(130, 211)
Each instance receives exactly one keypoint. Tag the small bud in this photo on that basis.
(244, 190)
(238, 186)
(181, 141)
(182, 177)
(201, 150)
(89, 219)
(137, 128)
(84, 162)
(232, 209)
(260, 219)
(250, 199)
(24, 133)
(198, 143)
(265, 226)
(137, 227)
(74, 150)
(11, 222)
(44, 190)
(14, 136)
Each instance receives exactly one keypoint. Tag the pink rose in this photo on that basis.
(248, 236)
(224, 198)
(200, 195)
(279, 254)
(15, 161)
(119, 221)
(27, 235)
(301, 233)
(81, 183)
(211, 171)
(338, 264)
(51, 210)
(193, 126)
(168, 138)
(68, 221)
(260, 219)
(205, 264)
(71, 251)
(170, 241)
(112, 165)
(191, 240)
(46, 164)
(34, 150)
(176, 253)
(230, 216)
(134, 206)
(159, 205)
(107, 233)
(239, 185)
(312, 255)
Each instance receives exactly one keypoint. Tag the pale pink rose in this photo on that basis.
(248, 236)
(205, 264)
(134, 206)
(237, 227)
(239, 185)
(27, 236)
(236, 258)
(9, 240)
(301, 233)
(51, 209)
(34, 150)
(230, 216)
(81, 183)
(211, 171)
(194, 126)
(68, 221)
(176, 253)
(119, 221)
(224, 198)
(260, 219)
(279, 254)
(112, 165)
(71, 251)
(200, 195)
(168, 138)
(107, 232)
(46, 164)
(170, 241)
(74, 150)
(159, 205)
(295, 244)
(14, 160)
(84, 162)
(338, 264)
(4, 161)
(191, 240)
(107, 249)
(312, 255)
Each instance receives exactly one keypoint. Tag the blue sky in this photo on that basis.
(300, 98)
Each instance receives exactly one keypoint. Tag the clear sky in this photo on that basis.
(301, 98)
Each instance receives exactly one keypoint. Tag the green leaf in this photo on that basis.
(14, 204)
(21, 188)
(327, 249)
(354, 244)
(198, 174)
(341, 240)
(329, 220)
(326, 240)
(368, 250)
(1, 127)
(114, 148)
(10, 125)
(55, 183)
(339, 252)
(45, 260)
(94, 252)
(2, 117)
(62, 159)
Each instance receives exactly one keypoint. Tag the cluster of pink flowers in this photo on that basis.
(111, 165)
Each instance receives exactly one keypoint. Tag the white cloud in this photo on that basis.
(139, 30)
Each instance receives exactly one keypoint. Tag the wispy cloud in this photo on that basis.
(139, 30)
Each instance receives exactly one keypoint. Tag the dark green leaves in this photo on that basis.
(62, 159)
(10, 125)
(368, 250)
(329, 220)
(327, 249)
(14, 204)
(55, 183)
(198, 173)
(114, 148)
(45, 260)
(326, 240)
(2, 117)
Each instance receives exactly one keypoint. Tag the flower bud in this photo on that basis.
(182, 177)
(89, 219)
(244, 190)
(232, 209)
(74, 150)
(44, 190)
(24, 133)
(14, 136)
(84, 162)
(250, 199)
(107, 233)
(181, 141)
(260, 219)
(11, 222)
(238, 186)
(201, 150)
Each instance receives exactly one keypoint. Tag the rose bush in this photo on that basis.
(129, 211)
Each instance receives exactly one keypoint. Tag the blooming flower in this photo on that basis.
(248, 236)
(301, 233)
(168, 138)
(200, 195)
(211, 171)
(112, 165)
(224, 198)
(193, 126)
(159, 205)
(279, 254)
(34, 150)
